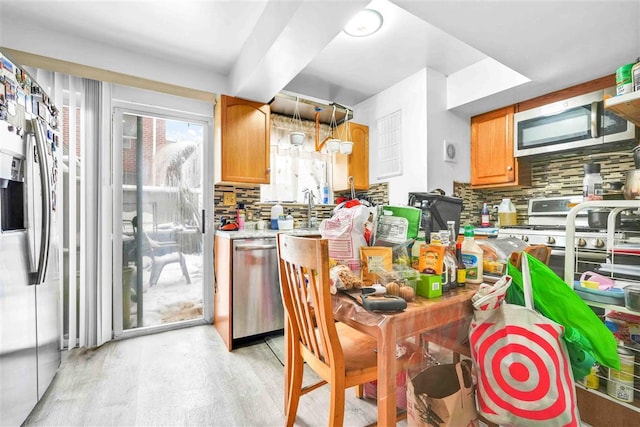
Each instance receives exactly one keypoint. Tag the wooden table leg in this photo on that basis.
(387, 376)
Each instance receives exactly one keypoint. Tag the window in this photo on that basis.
(294, 169)
(389, 145)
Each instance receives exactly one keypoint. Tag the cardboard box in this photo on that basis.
(429, 286)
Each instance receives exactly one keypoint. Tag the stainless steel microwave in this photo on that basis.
(569, 124)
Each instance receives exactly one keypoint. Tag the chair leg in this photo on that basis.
(336, 412)
(360, 391)
(156, 269)
(183, 266)
(296, 371)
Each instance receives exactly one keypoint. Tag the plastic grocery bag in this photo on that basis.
(522, 366)
(585, 332)
(345, 233)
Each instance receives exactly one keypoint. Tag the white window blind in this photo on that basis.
(389, 145)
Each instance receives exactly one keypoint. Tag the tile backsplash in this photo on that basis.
(249, 195)
(552, 176)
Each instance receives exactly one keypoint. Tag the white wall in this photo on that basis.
(408, 96)
(426, 123)
(33, 38)
(445, 125)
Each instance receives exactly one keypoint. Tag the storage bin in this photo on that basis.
(412, 214)
(436, 210)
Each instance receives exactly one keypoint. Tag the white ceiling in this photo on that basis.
(257, 48)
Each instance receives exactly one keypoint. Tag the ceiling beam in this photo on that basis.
(285, 40)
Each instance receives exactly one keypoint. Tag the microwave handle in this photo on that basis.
(594, 119)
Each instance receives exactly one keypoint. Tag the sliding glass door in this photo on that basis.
(160, 186)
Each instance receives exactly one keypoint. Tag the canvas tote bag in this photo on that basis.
(522, 366)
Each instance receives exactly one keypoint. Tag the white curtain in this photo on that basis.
(85, 307)
(294, 169)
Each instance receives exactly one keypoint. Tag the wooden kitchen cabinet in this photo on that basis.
(355, 164)
(243, 130)
(492, 160)
(222, 289)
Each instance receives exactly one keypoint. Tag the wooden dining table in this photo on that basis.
(421, 315)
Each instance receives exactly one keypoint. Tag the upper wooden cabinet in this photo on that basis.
(355, 164)
(492, 161)
(242, 141)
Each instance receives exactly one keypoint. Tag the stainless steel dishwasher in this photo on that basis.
(257, 304)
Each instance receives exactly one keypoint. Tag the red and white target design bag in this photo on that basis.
(522, 366)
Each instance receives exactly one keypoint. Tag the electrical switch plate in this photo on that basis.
(450, 152)
(229, 199)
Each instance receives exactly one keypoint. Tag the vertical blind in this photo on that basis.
(85, 306)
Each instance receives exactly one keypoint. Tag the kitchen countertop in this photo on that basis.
(257, 234)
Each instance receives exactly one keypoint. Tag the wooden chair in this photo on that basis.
(540, 252)
(340, 355)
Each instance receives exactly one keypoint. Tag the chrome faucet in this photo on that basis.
(309, 196)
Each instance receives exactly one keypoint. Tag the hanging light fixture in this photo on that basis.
(297, 135)
(346, 145)
(332, 143)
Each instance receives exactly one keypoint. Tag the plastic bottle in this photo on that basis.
(324, 191)
(240, 216)
(472, 256)
(485, 217)
(635, 76)
(276, 211)
(462, 269)
(507, 213)
(415, 252)
(592, 182)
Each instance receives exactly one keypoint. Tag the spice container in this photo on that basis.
(623, 79)
(635, 76)
(592, 182)
(620, 383)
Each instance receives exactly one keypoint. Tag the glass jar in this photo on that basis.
(592, 183)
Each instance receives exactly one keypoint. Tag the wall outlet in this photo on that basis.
(229, 199)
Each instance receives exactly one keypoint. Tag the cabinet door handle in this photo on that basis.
(509, 168)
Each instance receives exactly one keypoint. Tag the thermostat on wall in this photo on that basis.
(450, 151)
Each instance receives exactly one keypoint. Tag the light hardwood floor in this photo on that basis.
(178, 378)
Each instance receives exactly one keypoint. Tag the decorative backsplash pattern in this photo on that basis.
(249, 195)
(552, 176)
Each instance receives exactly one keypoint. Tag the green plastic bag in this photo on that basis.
(554, 299)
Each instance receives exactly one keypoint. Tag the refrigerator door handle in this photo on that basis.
(43, 258)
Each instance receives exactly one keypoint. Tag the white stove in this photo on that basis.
(547, 225)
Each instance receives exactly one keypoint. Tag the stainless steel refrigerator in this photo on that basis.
(29, 281)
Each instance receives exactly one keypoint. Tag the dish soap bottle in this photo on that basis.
(276, 211)
(324, 189)
(472, 256)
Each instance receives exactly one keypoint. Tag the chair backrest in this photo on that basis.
(540, 252)
(304, 283)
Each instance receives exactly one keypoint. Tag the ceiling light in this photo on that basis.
(365, 23)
